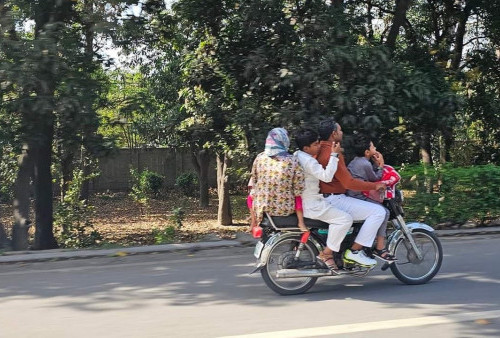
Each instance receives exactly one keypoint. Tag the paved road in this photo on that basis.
(210, 294)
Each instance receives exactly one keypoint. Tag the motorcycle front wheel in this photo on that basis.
(411, 270)
(282, 256)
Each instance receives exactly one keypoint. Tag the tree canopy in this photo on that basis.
(420, 76)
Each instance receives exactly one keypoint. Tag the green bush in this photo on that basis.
(145, 185)
(166, 235)
(449, 194)
(187, 183)
(72, 217)
(178, 216)
(147, 181)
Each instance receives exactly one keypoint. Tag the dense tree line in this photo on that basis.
(215, 75)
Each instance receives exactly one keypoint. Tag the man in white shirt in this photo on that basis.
(313, 203)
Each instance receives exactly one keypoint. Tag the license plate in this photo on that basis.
(258, 249)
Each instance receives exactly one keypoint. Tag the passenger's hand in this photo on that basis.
(252, 225)
(379, 159)
(336, 148)
(380, 186)
(303, 227)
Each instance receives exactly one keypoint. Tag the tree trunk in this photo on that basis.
(224, 215)
(425, 148)
(442, 150)
(445, 143)
(44, 236)
(369, 19)
(459, 38)
(397, 21)
(22, 200)
(204, 162)
(201, 162)
(47, 14)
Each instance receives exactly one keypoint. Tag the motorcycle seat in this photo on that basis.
(291, 221)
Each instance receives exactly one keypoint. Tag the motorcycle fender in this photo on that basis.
(416, 225)
(261, 262)
(396, 235)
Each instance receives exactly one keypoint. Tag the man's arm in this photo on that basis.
(312, 167)
(344, 177)
(370, 174)
(325, 150)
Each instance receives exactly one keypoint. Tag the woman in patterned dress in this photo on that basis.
(278, 180)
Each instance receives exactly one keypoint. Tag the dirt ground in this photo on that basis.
(122, 222)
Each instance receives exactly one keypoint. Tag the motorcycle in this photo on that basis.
(287, 261)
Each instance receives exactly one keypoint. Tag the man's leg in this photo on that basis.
(339, 223)
(372, 214)
(382, 231)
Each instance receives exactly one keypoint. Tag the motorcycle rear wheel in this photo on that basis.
(282, 256)
(408, 268)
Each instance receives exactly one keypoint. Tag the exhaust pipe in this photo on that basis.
(294, 273)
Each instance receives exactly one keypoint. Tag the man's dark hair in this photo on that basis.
(305, 137)
(361, 143)
(326, 128)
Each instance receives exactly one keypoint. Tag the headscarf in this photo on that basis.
(277, 142)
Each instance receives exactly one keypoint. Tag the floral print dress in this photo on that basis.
(277, 181)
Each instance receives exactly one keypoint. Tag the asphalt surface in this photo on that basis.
(209, 293)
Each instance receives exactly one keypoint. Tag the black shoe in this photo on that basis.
(384, 255)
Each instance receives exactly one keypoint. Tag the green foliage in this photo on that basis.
(73, 217)
(451, 194)
(8, 172)
(145, 185)
(51, 83)
(133, 116)
(219, 74)
(187, 183)
(166, 235)
(178, 216)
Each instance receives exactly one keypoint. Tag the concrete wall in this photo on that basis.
(115, 170)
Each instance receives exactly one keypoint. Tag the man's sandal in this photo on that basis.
(384, 255)
(328, 261)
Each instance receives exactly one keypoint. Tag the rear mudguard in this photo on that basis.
(396, 235)
(262, 261)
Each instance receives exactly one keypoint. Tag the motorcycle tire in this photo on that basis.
(408, 268)
(281, 257)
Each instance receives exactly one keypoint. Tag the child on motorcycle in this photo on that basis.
(361, 168)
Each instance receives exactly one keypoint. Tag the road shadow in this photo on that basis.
(220, 277)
